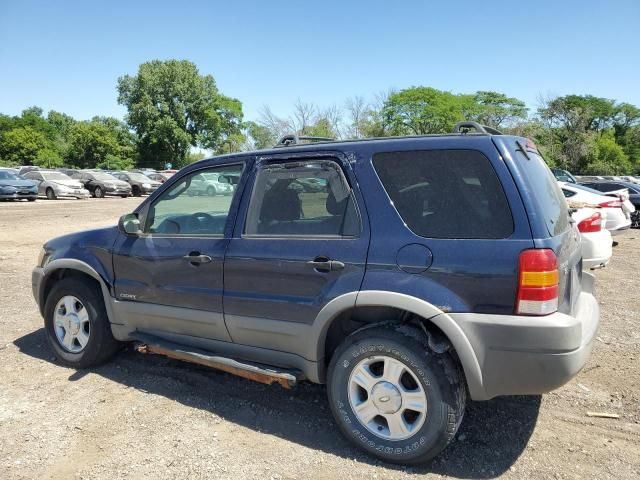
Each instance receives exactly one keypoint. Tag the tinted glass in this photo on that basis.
(302, 199)
(607, 187)
(568, 193)
(105, 177)
(55, 176)
(446, 193)
(548, 195)
(587, 189)
(178, 211)
(4, 175)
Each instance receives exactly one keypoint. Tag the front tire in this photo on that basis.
(136, 191)
(98, 192)
(51, 194)
(211, 191)
(76, 324)
(393, 396)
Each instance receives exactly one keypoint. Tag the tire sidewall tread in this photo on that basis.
(101, 345)
(440, 377)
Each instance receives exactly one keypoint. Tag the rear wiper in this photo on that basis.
(522, 150)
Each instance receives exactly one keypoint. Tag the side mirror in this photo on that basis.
(129, 224)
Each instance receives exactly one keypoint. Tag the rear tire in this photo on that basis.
(100, 346)
(136, 191)
(98, 192)
(31, 199)
(408, 420)
(51, 194)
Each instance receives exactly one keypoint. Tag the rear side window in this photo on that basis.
(310, 198)
(446, 193)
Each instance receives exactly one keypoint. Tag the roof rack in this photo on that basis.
(293, 139)
(464, 127)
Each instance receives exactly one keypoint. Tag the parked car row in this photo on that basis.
(602, 207)
(30, 182)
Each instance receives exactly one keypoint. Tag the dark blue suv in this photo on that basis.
(405, 273)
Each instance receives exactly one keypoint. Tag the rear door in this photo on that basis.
(299, 243)
(551, 224)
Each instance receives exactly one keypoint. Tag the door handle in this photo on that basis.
(195, 259)
(323, 264)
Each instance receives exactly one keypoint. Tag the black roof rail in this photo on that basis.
(293, 139)
(463, 127)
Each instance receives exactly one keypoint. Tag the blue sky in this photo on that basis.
(67, 56)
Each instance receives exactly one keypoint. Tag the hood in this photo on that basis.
(118, 183)
(17, 183)
(94, 239)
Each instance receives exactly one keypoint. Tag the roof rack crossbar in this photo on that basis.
(463, 127)
(293, 139)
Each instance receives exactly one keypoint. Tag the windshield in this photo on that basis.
(103, 176)
(211, 176)
(4, 175)
(54, 176)
(138, 177)
(587, 189)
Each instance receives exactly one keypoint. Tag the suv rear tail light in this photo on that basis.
(537, 282)
(611, 204)
(591, 224)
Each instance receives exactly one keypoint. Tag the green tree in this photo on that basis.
(423, 110)
(259, 135)
(90, 143)
(172, 108)
(605, 157)
(113, 162)
(22, 146)
(320, 128)
(497, 110)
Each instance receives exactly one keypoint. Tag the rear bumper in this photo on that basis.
(520, 355)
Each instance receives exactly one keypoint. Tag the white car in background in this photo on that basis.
(595, 240)
(53, 184)
(615, 213)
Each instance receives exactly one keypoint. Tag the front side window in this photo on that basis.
(310, 198)
(183, 210)
(446, 193)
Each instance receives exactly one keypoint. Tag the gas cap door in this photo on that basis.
(414, 258)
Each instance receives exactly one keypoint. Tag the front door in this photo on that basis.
(170, 278)
(299, 242)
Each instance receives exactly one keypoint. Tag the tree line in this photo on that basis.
(174, 113)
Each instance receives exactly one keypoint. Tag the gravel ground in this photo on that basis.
(147, 416)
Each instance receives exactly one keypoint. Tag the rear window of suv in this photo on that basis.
(446, 193)
(548, 193)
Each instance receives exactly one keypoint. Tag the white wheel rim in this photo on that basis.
(71, 324)
(387, 398)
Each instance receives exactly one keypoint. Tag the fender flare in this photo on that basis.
(80, 266)
(431, 313)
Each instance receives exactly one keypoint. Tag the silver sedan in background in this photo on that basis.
(54, 184)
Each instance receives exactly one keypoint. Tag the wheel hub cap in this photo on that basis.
(386, 397)
(71, 324)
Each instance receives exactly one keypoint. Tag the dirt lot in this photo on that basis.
(146, 416)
